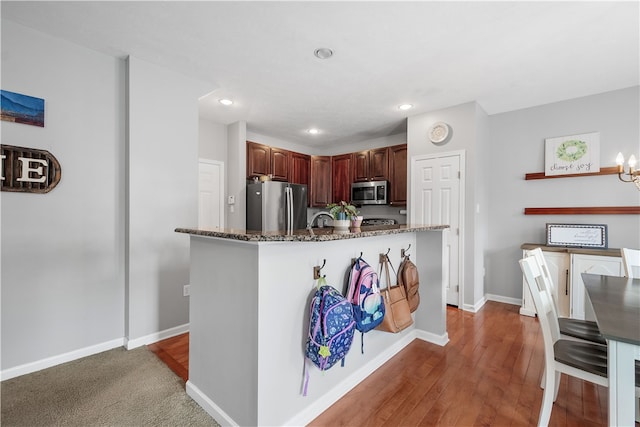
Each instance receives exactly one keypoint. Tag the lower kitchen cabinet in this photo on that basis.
(566, 266)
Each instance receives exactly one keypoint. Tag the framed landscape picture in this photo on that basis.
(572, 154)
(20, 108)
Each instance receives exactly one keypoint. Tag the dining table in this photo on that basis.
(616, 305)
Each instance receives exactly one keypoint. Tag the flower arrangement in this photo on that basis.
(342, 210)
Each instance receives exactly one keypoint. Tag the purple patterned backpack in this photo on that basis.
(331, 329)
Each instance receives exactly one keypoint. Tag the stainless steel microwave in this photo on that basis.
(370, 193)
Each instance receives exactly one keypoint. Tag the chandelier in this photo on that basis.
(633, 174)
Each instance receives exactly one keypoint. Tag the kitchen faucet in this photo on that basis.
(315, 216)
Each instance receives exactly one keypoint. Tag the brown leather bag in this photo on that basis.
(408, 278)
(397, 315)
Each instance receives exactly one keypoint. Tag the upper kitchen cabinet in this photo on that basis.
(265, 160)
(398, 175)
(379, 164)
(320, 189)
(371, 165)
(280, 164)
(361, 166)
(258, 159)
(300, 168)
(341, 174)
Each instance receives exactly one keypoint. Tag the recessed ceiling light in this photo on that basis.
(323, 53)
(405, 107)
(225, 101)
(313, 131)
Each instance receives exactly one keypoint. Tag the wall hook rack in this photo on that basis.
(317, 269)
(405, 252)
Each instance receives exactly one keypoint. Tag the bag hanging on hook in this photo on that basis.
(331, 328)
(409, 280)
(397, 316)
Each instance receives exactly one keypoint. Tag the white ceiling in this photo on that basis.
(504, 55)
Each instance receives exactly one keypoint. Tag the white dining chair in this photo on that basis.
(631, 262)
(576, 328)
(580, 359)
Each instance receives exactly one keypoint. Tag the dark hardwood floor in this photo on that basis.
(488, 374)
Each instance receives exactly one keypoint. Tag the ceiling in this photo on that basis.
(504, 55)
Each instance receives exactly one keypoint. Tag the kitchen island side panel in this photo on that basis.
(286, 289)
(431, 259)
(223, 344)
(249, 321)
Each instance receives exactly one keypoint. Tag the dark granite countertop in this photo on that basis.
(305, 235)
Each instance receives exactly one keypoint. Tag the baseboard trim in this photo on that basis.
(506, 300)
(475, 307)
(319, 406)
(38, 365)
(209, 406)
(130, 344)
(440, 340)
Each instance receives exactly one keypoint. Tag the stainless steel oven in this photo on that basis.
(370, 193)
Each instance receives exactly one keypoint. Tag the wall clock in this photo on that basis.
(439, 132)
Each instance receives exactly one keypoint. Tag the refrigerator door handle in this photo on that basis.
(289, 198)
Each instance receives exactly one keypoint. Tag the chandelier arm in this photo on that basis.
(622, 179)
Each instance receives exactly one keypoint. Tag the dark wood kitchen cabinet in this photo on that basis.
(361, 166)
(398, 175)
(265, 160)
(280, 164)
(320, 188)
(300, 168)
(258, 159)
(379, 164)
(371, 165)
(341, 175)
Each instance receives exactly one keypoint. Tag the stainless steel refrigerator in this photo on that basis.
(276, 206)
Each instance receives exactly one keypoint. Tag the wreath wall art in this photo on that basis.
(572, 154)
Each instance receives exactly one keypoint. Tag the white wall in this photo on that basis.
(237, 174)
(96, 261)
(162, 184)
(63, 252)
(329, 150)
(517, 148)
(212, 140)
(468, 133)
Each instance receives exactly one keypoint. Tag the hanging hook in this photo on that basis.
(385, 257)
(317, 269)
(405, 252)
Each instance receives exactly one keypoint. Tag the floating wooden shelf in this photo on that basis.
(610, 170)
(592, 210)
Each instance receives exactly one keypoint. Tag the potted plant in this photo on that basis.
(342, 214)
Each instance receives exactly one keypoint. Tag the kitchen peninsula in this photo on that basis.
(250, 295)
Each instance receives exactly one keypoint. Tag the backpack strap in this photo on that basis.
(306, 378)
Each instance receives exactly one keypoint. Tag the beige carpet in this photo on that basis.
(114, 388)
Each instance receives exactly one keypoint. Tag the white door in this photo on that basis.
(435, 199)
(210, 194)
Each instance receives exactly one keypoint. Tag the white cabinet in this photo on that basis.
(558, 263)
(565, 266)
(609, 266)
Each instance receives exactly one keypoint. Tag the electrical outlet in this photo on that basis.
(186, 290)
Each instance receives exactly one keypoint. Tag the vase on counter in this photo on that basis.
(341, 224)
